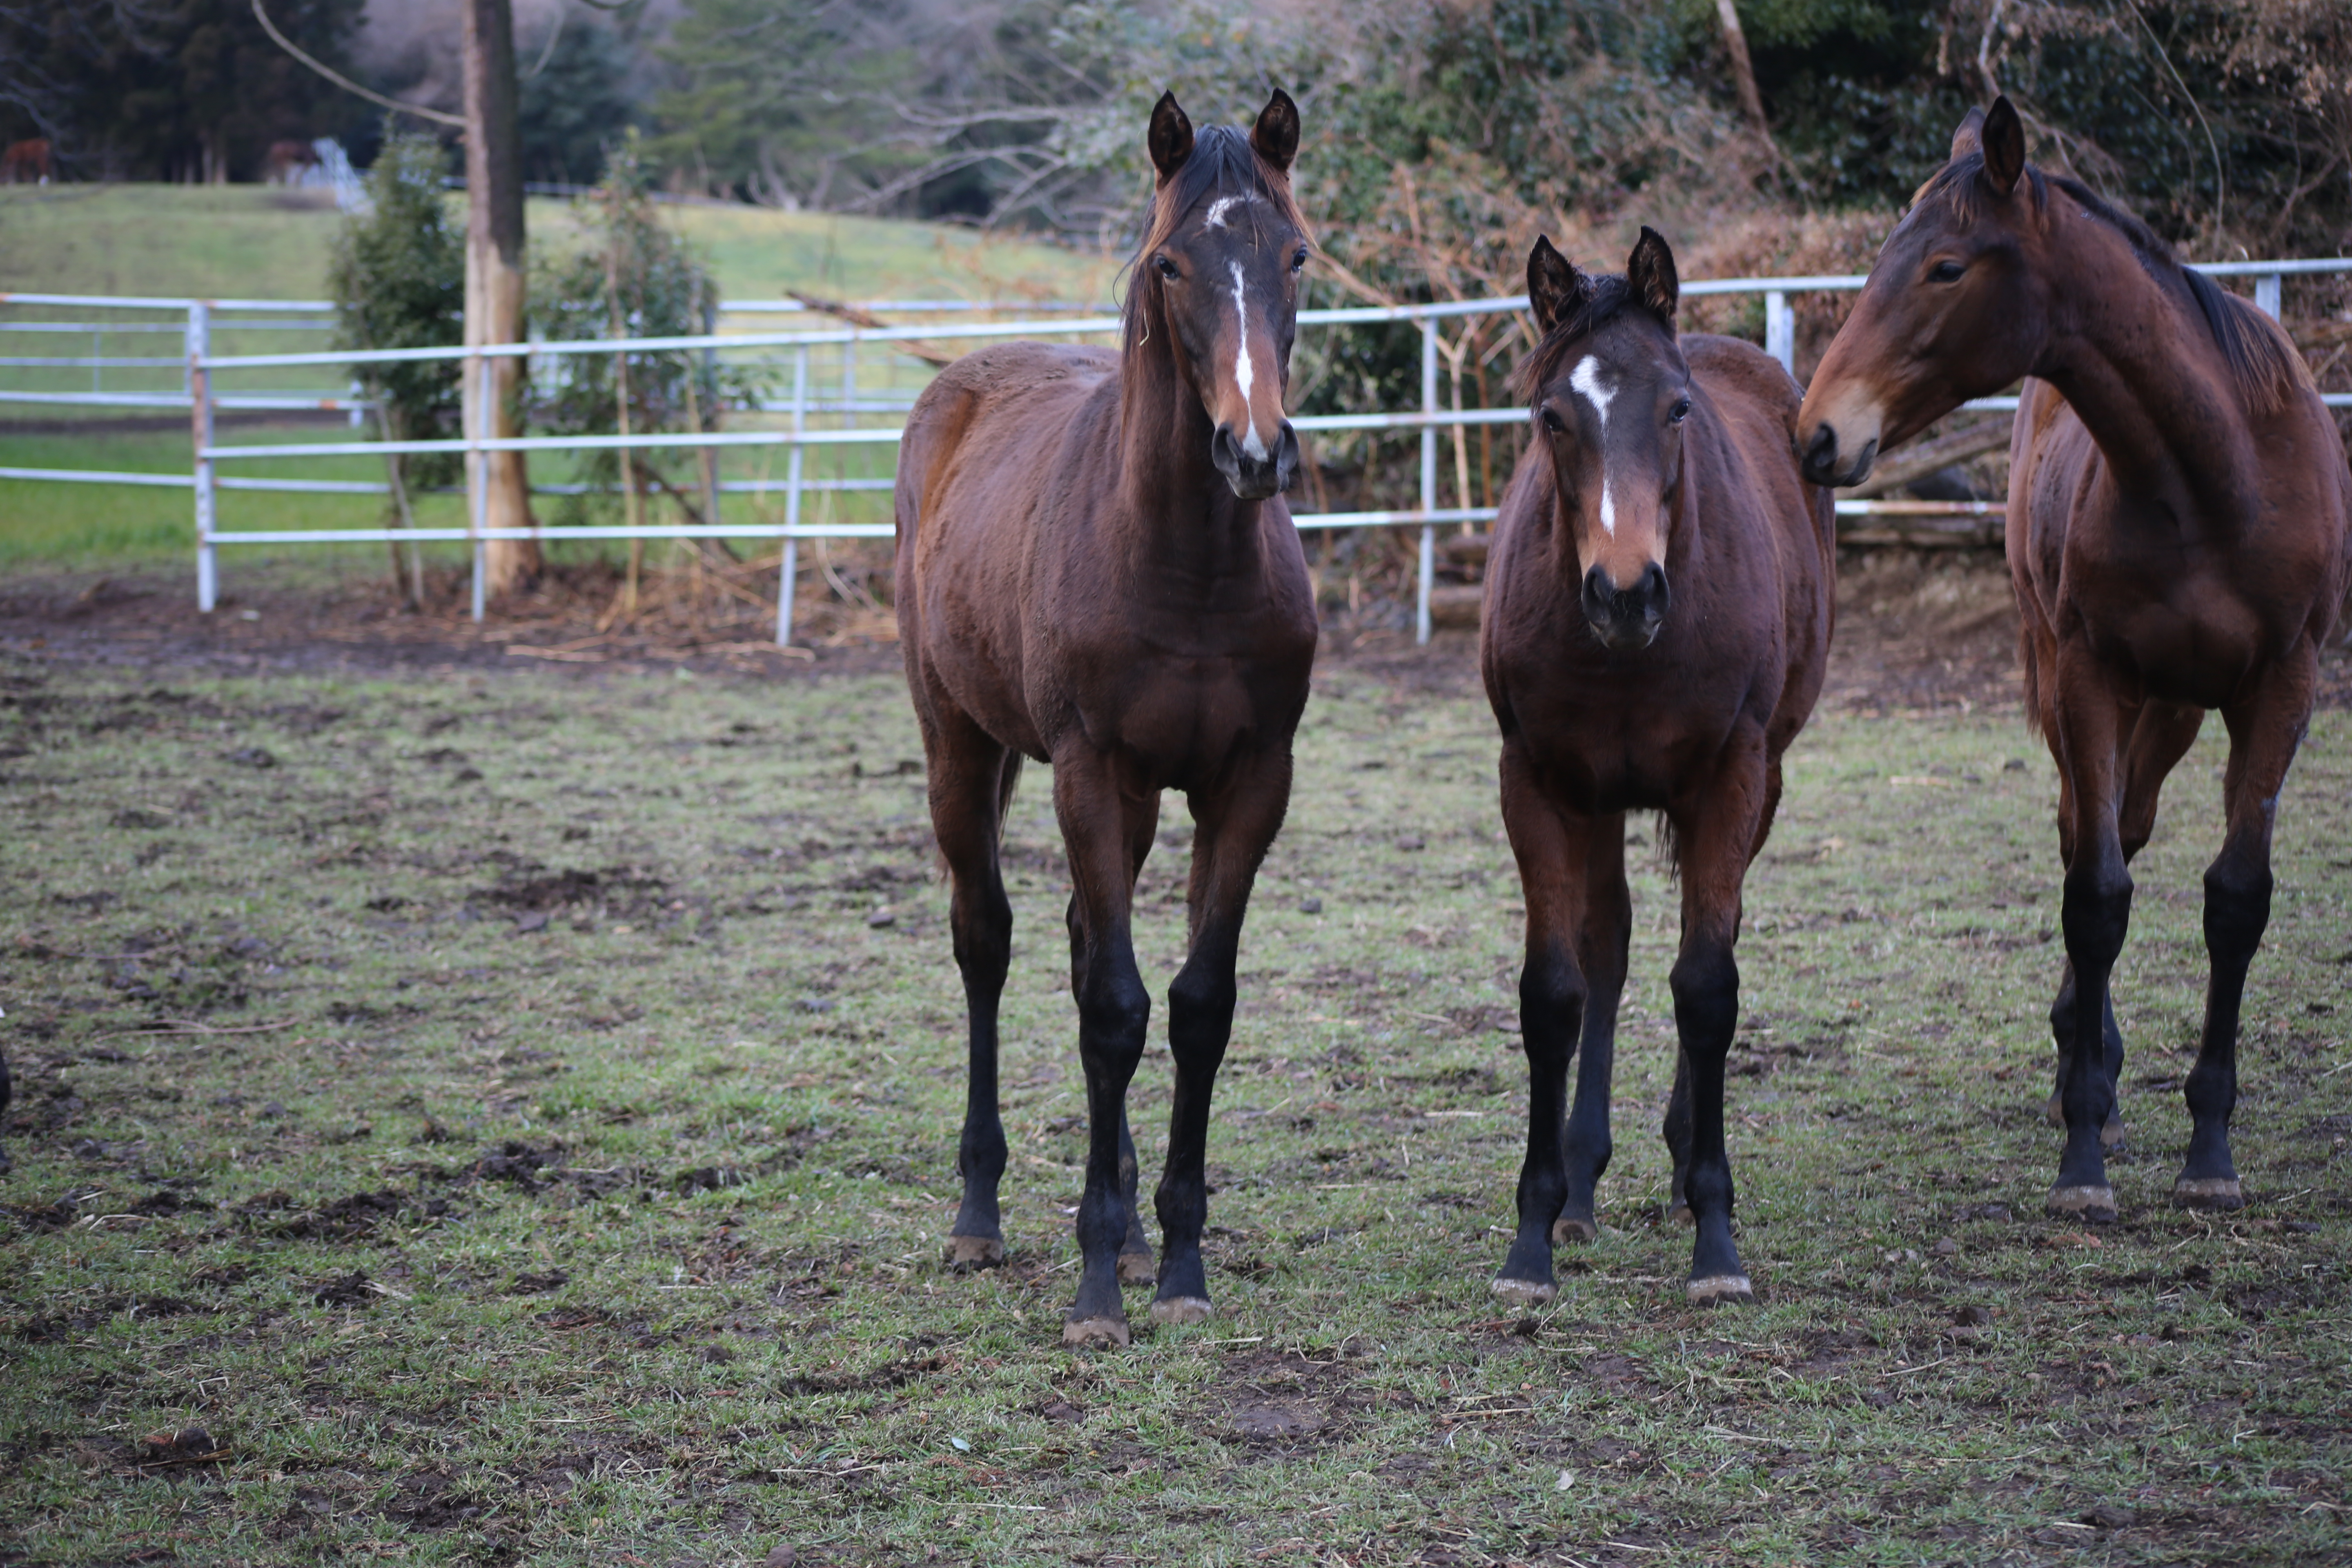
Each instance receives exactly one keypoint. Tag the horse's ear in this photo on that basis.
(1170, 139)
(1276, 134)
(2004, 146)
(1650, 273)
(1969, 137)
(1555, 288)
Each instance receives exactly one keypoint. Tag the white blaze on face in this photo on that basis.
(1242, 373)
(1221, 206)
(1586, 380)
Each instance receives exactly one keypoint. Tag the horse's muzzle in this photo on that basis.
(1254, 479)
(1626, 620)
(1821, 463)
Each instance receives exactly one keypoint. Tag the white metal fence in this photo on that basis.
(201, 372)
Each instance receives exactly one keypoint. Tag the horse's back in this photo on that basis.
(1756, 401)
(975, 469)
(1016, 397)
(2192, 602)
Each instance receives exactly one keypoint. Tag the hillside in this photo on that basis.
(260, 242)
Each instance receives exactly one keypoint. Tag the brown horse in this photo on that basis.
(2176, 539)
(1657, 627)
(1096, 569)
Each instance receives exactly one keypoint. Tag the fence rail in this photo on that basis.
(202, 395)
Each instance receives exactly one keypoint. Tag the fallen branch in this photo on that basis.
(937, 358)
(1917, 462)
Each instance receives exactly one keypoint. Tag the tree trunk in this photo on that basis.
(494, 275)
(1735, 44)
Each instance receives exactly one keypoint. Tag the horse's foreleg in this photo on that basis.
(969, 778)
(1608, 928)
(1114, 1010)
(2265, 731)
(2095, 916)
(1553, 849)
(1236, 823)
(1716, 828)
(2162, 734)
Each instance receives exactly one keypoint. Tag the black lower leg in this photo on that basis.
(1200, 1023)
(2096, 913)
(1114, 1010)
(984, 930)
(2061, 1034)
(1677, 1131)
(2237, 912)
(1706, 983)
(1135, 1248)
(1551, 1012)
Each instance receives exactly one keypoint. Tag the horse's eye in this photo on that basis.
(1299, 260)
(1944, 272)
(1550, 420)
(1167, 268)
(1680, 411)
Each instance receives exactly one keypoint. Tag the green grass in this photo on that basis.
(256, 242)
(649, 1201)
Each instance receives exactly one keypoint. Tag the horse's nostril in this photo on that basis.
(1821, 454)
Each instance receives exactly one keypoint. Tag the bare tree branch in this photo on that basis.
(346, 83)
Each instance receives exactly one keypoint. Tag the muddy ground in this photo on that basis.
(481, 1107)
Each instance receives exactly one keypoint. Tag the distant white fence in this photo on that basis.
(200, 393)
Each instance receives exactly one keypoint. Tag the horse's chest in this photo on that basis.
(1607, 746)
(1180, 719)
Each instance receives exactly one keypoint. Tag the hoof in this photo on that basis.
(969, 1252)
(1680, 1214)
(1720, 1291)
(1097, 1333)
(1178, 1310)
(1524, 1292)
(1567, 1229)
(2094, 1205)
(2209, 1192)
(1138, 1268)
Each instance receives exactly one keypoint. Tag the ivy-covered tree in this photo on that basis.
(398, 280)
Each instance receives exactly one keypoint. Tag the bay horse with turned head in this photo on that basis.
(1096, 569)
(1656, 629)
(2177, 540)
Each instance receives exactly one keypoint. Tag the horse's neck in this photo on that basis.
(2137, 364)
(1182, 516)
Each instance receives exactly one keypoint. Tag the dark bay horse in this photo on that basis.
(2176, 539)
(1657, 627)
(1096, 569)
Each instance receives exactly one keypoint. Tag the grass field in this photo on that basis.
(512, 1118)
(257, 242)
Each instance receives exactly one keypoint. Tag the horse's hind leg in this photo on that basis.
(2265, 731)
(2161, 735)
(972, 780)
(1135, 1264)
(1718, 830)
(1554, 851)
(1236, 823)
(1608, 928)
